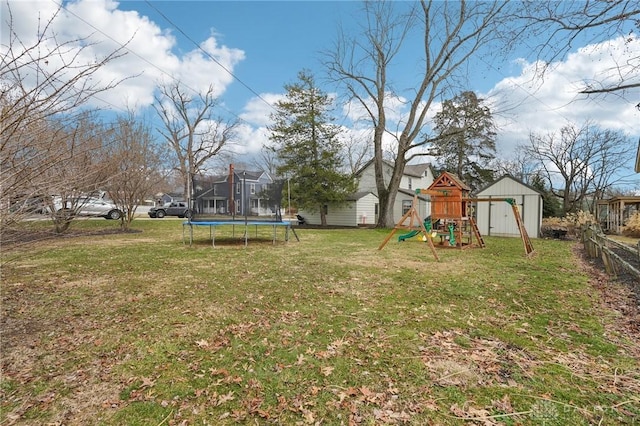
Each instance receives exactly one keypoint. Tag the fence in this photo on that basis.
(614, 254)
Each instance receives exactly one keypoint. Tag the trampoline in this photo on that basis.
(213, 224)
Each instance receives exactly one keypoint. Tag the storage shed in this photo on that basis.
(496, 218)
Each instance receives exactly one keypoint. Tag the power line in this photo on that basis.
(208, 54)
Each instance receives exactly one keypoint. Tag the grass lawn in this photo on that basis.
(141, 329)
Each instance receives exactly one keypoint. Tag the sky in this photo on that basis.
(254, 48)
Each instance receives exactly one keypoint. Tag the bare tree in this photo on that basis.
(451, 32)
(43, 84)
(560, 24)
(72, 167)
(135, 162)
(520, 166)
(580, 164)
(193, 132)
(358, 151)
(267, 160)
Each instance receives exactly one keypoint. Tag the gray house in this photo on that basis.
(242, 192)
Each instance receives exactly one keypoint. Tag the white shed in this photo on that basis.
(495, 218)
(359, 209)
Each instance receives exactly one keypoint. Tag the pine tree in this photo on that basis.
(308, 149)
(466, 141)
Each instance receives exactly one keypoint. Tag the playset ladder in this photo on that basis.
(476, 232)
(528, 247)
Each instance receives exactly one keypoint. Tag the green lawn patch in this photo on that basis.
(145, 328)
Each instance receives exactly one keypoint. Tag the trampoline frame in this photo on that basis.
(212, 224)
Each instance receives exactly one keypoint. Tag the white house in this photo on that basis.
(415, 176)
(359, 209)
(362, 207)
(496, 217)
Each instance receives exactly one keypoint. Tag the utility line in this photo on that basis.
(208, 54)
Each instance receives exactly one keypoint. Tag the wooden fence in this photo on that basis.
(598, 245)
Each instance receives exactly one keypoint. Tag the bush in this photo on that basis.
(553, 227)
(632, 227)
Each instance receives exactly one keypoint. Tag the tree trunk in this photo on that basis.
(323, 216)
(387, 192)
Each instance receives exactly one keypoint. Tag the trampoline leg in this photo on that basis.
(294, 233)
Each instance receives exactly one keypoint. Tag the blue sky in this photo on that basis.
(265, 44)
(278, 38)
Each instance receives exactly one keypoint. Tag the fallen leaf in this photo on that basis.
(300, 359)
(327, 370)
(225, 398)
(147, 382)
(202, 343)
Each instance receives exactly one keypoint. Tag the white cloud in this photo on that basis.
(531, 102)
(395, 109)
(258, 110)
(101, 28)
(250, 140)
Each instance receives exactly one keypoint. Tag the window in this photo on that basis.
(410, 184)
(238, 188)
(252, 188)
(406, 206)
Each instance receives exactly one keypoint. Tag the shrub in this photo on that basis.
(632, 226)
(570, 224)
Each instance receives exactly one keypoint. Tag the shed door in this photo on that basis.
(502, 221)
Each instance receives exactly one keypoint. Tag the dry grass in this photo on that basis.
(142, 329)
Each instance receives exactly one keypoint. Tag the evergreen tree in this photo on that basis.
(306, 143)
(550, 203)
(466, 139)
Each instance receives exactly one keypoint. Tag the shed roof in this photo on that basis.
(504, 177)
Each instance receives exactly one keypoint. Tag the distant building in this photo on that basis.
(362, 207)
(242, 192)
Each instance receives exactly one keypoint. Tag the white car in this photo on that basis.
(88, 206)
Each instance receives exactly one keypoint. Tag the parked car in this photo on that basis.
(88, 206)
(175, 208)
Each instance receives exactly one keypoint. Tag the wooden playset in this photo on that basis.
(451, 223)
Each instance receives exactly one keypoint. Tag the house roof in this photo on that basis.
(239, 176)
(248, 174)
(416, 169)
(508, 177)
(409, 169)
(358, 195)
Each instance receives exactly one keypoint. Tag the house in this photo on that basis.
(613, 213)
(359, 209)
(362, 207)
(162, 198)
(240, 192)
(496, 218)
